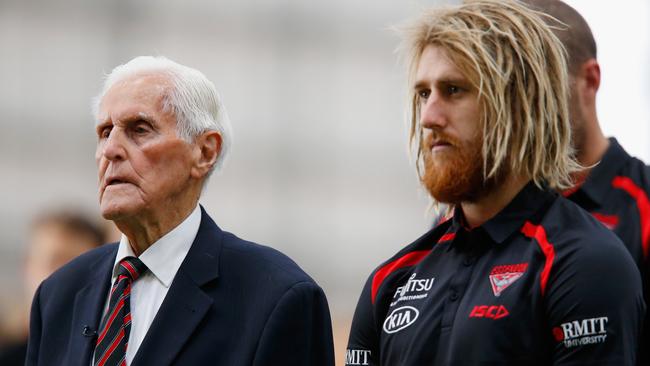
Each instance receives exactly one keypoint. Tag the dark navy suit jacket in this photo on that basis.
(232, 302)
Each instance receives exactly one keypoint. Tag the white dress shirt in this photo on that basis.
(162, 258)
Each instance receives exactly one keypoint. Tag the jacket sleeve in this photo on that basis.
(298, 331)
(363, 343)
(34, 342)
(595, 306)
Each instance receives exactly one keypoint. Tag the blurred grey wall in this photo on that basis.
(319, 168)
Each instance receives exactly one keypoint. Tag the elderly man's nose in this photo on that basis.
(113, 148)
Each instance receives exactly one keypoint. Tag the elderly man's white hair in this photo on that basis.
(193, 99)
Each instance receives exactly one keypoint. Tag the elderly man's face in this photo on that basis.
(144, 167)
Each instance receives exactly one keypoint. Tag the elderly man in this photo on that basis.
(518, 275)
(176, 290)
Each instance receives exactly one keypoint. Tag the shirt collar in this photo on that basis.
(599, 180)
(525, 204)
(164, 257)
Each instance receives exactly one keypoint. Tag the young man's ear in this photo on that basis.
(207, 149)
(590, 71)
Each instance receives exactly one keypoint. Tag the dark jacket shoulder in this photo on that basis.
(80, 269)
(261, 263)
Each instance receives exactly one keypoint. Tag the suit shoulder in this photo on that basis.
(82, 266)
(256, 260)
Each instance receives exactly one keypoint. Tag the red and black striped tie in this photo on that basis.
(116, 324)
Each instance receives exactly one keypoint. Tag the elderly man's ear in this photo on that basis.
(207, 147)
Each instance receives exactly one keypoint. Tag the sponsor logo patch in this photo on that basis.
(357, 357)
(400, 318)
(489, 311)
(582, 332)
(503, 276)
(413, 289)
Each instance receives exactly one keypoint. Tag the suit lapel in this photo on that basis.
(87, 311)
(186, 304)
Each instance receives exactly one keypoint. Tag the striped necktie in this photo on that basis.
(116, 325)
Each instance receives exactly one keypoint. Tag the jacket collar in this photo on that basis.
(186, 303)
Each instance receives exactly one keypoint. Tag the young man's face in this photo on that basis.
(450, 118)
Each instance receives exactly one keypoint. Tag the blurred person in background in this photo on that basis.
(615, 186)
(183, 291)
(54, 239)
(518, 274)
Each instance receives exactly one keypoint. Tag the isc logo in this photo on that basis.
(400, 318)
(492, 311)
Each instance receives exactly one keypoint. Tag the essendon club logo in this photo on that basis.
(503, 276)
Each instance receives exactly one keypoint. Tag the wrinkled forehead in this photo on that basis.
(141, 93)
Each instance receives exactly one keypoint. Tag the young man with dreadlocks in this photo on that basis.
(518, 275)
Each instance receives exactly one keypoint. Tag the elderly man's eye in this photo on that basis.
(141, 128)
(104, 132)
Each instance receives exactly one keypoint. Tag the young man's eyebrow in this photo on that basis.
(453, 80)
(421, 84)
